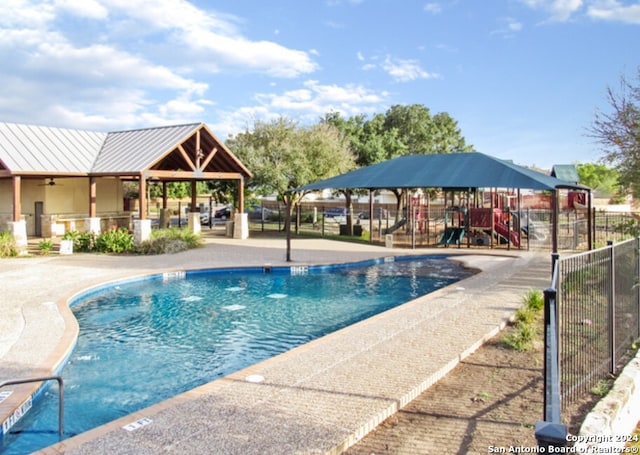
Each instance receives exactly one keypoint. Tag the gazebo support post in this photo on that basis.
(370, 216)
(287, 224)
(18, 226)
(92, 224)
(142, 226)
(194, 216)
(165, 216)
(554, 221)
(240, 219)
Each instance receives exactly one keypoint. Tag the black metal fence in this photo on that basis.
(595, 299)
(534, 226)
(599, 314)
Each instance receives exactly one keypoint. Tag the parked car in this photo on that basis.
(223, 213)
(331, 212)
(259, 212)
(376, 213)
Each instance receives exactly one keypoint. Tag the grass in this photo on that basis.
(524, 336)
(168, 241)
(602, 387)
(8, 246)
(45, 246)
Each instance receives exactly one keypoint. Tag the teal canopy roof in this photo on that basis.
(566, 172)
(451, 170)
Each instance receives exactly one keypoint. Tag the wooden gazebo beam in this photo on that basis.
(142, 197)
(92, 197)
(17, 206)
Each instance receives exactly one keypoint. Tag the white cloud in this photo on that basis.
(22, 13)
(613, 10)
(84, 8)
(215, 36)
(403, 70)
(133, 62)
(606, 10)
(559, 10)
(514, 26)
(511, 26)
(306, 104)
(433, 8)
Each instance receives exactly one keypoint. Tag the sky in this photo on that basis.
(523, 78)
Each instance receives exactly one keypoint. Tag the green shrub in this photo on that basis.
(169, 241)
(522, 338)
(534, 300)
(82, 242)
(524, 334)
(45, 246)
(8, 246)
(116, 240)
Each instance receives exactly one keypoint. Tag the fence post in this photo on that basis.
(611, 312)
(637, 284)
(551, 432)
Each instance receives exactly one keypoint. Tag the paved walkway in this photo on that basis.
(318, 398)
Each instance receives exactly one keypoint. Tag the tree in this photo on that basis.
(598, 176)
(402, 130)
(619, 132)
(424, 134)
(283, 156)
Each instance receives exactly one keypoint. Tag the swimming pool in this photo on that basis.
(147, 340)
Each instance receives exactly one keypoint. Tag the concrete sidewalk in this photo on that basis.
(319, 398)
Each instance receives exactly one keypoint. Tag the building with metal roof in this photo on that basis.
(34, 159)
(567, 172)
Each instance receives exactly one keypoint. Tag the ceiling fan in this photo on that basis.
(51, 182)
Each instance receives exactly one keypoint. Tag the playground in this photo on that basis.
(477, 219)
(466, 199)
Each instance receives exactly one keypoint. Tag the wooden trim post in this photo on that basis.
(17, 206)
(142, 196)
(92, 197)
(194, 196)
(164, 194)
(241, 195)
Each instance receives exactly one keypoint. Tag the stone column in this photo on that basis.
(19, 231)
(241, 226)
(141, 230)
(92, 225)
(194, 222)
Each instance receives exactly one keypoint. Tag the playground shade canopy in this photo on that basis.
(447, 171)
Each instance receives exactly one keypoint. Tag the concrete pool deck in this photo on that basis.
(318, 398)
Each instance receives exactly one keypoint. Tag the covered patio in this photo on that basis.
(52, 178)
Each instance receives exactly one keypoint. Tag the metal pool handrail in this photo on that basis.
(44, 379)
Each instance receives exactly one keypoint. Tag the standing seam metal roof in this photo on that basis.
(447, 170)
(134, 150)
(47, 150)
(27, 148)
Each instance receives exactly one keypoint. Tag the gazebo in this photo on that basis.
(452, 171)
(34, 160)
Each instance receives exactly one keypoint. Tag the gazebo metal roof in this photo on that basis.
(451, 170)
(181, 151)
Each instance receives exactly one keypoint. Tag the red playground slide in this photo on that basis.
(504, 231)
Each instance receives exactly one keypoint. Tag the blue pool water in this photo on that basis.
(145, 341)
